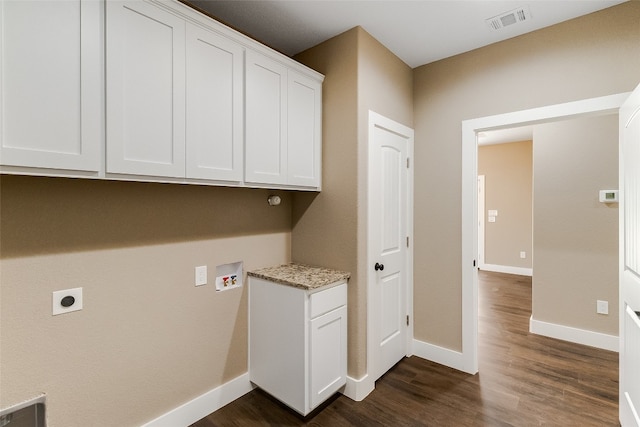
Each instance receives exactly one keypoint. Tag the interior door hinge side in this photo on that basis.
(407, 320)
(408, 162)
(407, 241)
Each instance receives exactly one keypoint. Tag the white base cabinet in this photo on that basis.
(298, 341)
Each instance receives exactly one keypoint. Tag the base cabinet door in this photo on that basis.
(145, 90)
(328, 355)
(51, 84)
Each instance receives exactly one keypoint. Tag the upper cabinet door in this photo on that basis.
(51, 84)
(304, 125)
(145, 90)
(214, 106)
(266, 115)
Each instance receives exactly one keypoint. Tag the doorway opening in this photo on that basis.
(470, 131)
(505, 184)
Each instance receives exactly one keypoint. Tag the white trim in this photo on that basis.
(588, 107)
(575, 335)
(481, 224)
(520, 271)
(204, 404)
(358, 389)
(444, 356)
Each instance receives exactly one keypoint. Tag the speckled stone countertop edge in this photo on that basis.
(300, 275)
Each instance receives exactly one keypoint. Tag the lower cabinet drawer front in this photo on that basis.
(324, 301)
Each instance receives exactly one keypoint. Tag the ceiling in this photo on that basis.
(417, 31)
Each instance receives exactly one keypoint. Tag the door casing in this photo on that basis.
(468, 357)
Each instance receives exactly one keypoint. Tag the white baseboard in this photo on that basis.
(578, 336)
(204, 404)
(358, 389)
(520, 271)
(444, 356)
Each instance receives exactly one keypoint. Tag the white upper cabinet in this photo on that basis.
(151, 90)
(266, 120)
(283, 124)
(145, 90)
(214, 106)
(304, 125)
(51, 85)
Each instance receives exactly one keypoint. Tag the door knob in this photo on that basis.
(379, 267)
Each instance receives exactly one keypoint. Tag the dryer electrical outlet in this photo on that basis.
(66, 301)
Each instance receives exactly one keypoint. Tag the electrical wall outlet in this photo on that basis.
(523, 254)
(602, 307)
(201, 275)
(66, 301)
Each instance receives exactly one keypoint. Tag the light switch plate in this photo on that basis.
(201, 275)
(602, 307)
(58, 296)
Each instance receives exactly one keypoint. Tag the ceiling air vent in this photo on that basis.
(516, 16)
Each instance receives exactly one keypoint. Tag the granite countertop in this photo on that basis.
(300, 276)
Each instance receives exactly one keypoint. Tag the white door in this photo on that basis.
(389, 222)
(214, 106)
(630, 261)
(145, 90)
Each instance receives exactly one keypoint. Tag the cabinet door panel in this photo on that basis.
(304, 122)
(266, 137)
(328, 355)
(214, 106)
(145, 90)
(50, 84)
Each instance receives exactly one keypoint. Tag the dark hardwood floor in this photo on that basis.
(524, 380)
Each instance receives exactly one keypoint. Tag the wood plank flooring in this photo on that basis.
(524, 380)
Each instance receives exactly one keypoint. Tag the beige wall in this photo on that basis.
(508, 171)
(591, 56)
(147, 340)
(330, 229)
(325, 225)
(576, 236)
